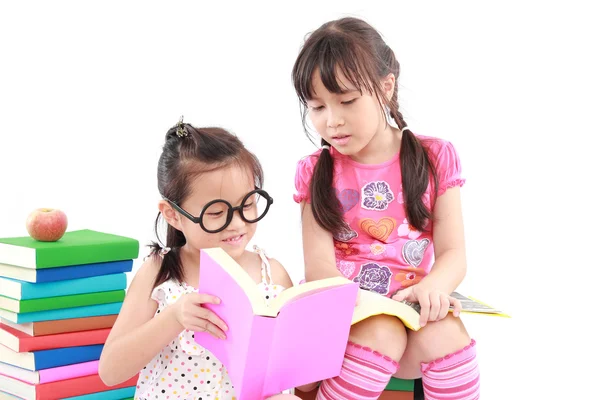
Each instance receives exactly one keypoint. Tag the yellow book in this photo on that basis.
(370, 304)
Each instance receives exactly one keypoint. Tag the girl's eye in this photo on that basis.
(248, 205)
(215, 214)
(349, 101)
(317, 108)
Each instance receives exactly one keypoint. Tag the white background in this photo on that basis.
(88, 90)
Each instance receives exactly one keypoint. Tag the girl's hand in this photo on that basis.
(434, 303)
(192, 316)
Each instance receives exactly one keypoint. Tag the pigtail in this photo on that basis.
(170, 266)
(324, 203)
(416, 170)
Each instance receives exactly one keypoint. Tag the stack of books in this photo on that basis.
(397, 389)
(58, 302)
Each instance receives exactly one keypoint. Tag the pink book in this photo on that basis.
(50, 374)
(299, 338)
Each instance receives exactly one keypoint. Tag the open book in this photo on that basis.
(299, 338)
(370, 304)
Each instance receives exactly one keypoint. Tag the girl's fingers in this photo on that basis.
(435, 305)
(425, 304)
(444, 307)
(204, 325)
(212, 317)
(456, 304)
(203, 298)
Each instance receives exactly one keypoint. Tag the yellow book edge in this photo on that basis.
(493, 314)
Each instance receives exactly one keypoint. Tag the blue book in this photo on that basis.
(115, 394)
(21, 290)
(63, 313)
(64, 273)
(42, 359)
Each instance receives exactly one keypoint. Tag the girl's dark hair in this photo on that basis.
(355, 49)
(187, 153)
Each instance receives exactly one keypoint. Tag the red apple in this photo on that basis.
(46, 224)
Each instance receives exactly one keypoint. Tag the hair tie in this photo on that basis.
(164, 250)
(326, 147)
(404, 129)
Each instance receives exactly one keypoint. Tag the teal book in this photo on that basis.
(60, 302)
(21, 290)
(74, 248)
(125, 393)
(115, 394)
(63, 313)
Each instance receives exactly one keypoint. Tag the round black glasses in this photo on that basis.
(218, 214)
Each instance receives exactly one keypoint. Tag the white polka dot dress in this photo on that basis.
(184, 370)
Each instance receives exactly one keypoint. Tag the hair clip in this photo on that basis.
(181, 131)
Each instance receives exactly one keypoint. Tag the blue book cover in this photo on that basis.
(65, 273)
(66, 356)
(22, 290)
(64, 313)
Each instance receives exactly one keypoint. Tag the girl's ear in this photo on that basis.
(388, 84)
(172, 217)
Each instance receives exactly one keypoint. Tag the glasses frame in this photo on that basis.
(231, 209)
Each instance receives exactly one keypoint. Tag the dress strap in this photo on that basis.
(265, 269)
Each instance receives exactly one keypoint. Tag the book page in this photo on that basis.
(371, 304)
(303, 289)
(471, 305)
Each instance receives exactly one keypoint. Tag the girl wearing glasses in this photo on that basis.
(212, 197)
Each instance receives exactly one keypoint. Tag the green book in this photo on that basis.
(401, 385)
(56, 303)
(74, 248)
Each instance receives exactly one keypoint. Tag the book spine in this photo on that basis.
(75, 300)
(68, 371)
(72, 355)
(77, 387)
(83, 271)
(52, 257)
(64, 313)
(103, 283)
(63, 340)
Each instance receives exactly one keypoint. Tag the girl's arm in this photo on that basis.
(136, 336)
(317, 243)
(450, 265)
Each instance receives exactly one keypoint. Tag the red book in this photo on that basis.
(59, 389)
(21, 342)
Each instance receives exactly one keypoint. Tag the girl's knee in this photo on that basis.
(382, 333)
(437, 339)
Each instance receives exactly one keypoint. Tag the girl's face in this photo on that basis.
(231, 184)
(350, 122)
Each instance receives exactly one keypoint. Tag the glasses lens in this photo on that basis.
(255, 207)
(215, 216)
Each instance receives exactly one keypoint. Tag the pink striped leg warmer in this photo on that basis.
(455, 376)
(365, 374)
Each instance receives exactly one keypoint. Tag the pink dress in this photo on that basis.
(379, 249)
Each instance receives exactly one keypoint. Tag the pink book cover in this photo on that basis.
(68, 371)
(264, 355)
(50, 374)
